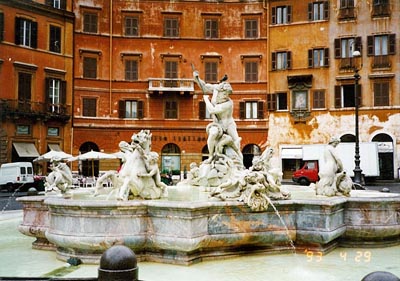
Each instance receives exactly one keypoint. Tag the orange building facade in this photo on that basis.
(146, 81)
(128, 65)
(311, 77)
(35, 78)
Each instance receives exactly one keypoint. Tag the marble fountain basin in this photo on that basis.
(188, 227)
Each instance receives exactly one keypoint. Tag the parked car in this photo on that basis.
(16, 175)
(306, 174)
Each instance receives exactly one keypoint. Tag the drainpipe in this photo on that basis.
(110, 56)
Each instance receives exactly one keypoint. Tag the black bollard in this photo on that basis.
(380, 276)
(118, 263)
(32, 191)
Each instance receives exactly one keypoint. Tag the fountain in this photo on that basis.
(222, 210)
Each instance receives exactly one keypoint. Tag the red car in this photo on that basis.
(307, 174)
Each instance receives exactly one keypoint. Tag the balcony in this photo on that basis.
(16, 109)
(382, 10)
(347, 64)
(381, 62)
(161, 85)
(347, 13)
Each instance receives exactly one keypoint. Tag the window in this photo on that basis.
(318, 11)
(23, 130)
(380, 8)
(89, 107)
(211, 74)
(251, 110)
(131, 109)
(281, 14)
(318, 99)
(25, 32)
(171, 110)
(24, 91)
(381, 93)
(58, 4)
(171, 71)
(55, 39)
(203, 112)
(131, 26)
(345, 95)
(277, 101)
(344, 49)
(89, 67)
(346, 10)
(346, 4)
(171, 27)
(380, 46)
(281, 60)
(1, 27)
(251, 71)
(251, 28)
(90, 22)
(318, 58)
(131, 70)
(55, 95)
(281, 100)
(53, 131)
(211, 28)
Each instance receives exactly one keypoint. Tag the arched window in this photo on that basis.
(171, 159)
(385, 156)
(348, 138)
(88, 168)
(249, 151)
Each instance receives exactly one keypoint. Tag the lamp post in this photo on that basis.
(357, 170)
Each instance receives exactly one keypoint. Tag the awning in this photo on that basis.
(292, 153)
(54, 147)
(26, 149)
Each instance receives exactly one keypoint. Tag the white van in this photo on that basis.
(15, 175)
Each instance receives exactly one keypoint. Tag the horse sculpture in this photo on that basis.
(133, 176)
(60, 179)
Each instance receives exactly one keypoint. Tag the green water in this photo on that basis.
(18, 259)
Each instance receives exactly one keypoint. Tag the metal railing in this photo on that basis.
(381, 62)
(10, 107)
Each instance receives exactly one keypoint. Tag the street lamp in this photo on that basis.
(357, 170)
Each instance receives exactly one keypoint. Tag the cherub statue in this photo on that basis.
(151, 162)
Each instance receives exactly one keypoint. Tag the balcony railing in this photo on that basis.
(37, 110)
(381, 62)
(381, 10)
(170, 85)
(347, 13)
(347, 64)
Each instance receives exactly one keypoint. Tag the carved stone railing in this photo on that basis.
(170, 85)
(300, 115)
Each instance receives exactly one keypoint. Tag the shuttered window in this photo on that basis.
(25, 32)
(89, 107)
(381, 94)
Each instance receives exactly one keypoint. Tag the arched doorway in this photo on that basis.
(171, 159)
(385, 156)
(249, 151)
(348, 138)
(87, 168)
(204, 153)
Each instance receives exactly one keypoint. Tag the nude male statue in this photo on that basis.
(221, 108)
